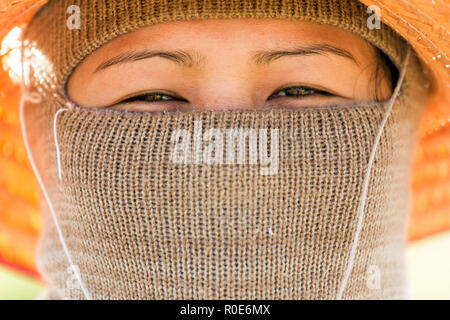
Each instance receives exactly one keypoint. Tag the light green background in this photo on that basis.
(14, 285)
(428, 271)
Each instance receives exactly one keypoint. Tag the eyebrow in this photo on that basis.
(193, 58)
(183, 58)
(265, 57)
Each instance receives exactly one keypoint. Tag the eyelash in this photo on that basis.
(289, 93)
(304, 92)
(143, 97)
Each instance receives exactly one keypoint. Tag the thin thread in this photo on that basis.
(36, 98)
(363, 198)
(46, 196)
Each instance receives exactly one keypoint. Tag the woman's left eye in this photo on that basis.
(297, 92)
(151, 97)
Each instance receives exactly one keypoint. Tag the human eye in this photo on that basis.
(158, 101)
(298, 92)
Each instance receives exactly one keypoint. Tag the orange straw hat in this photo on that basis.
(425, 24)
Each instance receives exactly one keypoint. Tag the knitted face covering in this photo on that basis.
(269, 204)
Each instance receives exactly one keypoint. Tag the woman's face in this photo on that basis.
(229, 64)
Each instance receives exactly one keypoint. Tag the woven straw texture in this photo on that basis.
(425, 24)
(16, 12)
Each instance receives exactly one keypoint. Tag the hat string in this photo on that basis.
(363, 199)
(36, 98)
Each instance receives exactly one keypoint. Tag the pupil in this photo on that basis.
(155, 97)
(298, 91)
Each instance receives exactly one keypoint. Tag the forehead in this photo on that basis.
(214, 37)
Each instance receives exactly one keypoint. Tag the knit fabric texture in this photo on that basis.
(140, 226)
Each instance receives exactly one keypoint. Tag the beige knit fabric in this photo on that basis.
(139, 226)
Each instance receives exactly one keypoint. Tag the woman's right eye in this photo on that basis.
(151, 102)
(152, 97)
